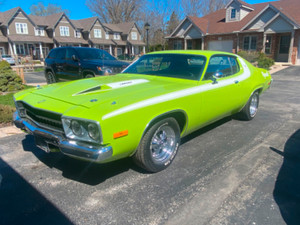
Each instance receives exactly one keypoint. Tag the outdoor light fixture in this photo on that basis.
(147, 27)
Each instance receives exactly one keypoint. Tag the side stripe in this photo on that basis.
(180, 94)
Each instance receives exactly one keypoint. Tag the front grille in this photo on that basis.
(42, 118)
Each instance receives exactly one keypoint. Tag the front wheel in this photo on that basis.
(250, 109)
(158, 146)
(89, 76)
(50, 78)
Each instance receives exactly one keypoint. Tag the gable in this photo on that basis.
(279, 25)
(262, 20)
(193, 33)
(182, 28)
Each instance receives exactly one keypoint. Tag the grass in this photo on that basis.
(7, 108)
(39, 69)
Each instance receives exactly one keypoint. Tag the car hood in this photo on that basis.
(110, 91)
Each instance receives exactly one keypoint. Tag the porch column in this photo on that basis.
(291, 46)
(110, 50)
(237, 42)
(79, 45)
(202, 43)
(144, 49)
(132, 49)
(41, 51)
(11, 49)
(264, 43)
(15, 49)
(185, 44)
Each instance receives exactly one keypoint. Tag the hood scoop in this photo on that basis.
(115, 85)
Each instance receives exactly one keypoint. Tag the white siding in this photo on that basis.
(243, 13)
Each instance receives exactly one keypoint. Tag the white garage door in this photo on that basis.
(225, 46)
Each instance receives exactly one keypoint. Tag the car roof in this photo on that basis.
(206, 53)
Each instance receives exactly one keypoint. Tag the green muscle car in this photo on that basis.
(144, 111)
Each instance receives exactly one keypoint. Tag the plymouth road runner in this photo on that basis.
(144, 111)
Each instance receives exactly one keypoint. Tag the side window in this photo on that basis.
(52, 54)
(61, 53)
(70, 53)
(221, 66)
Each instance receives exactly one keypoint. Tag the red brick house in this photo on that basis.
(270, 27)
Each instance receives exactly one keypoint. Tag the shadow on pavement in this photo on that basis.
(21, 203)
(78, 170)
(287, 186)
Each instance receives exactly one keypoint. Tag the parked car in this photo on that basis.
(144, 111)
(71, 63)
(9, 59)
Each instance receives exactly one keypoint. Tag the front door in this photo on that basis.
(284, 48)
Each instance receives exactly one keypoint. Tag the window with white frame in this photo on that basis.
(117, 36)
(134, 36)
(97, 33)
(39, 31)
(106, 35)
(21, 28)
(64, 31)
(250, 43)
(77, 34)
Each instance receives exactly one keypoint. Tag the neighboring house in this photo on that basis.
(23, 35)
(270, 27)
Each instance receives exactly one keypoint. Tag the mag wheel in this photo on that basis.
(159, 146)
(250, 109)
(50, 78)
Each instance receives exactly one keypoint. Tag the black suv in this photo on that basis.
(71, 63)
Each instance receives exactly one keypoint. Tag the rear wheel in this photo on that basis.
(250, 109)
(89, 75)
(50, 78)
(159, 146)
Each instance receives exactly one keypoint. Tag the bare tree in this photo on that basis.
(116, 11)
(41, 10)
(201, 7)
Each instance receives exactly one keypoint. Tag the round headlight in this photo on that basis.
(76, 128)
(93, 131)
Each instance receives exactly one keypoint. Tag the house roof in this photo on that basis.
(85, 24)
(113, 27)
(29, 38)
(215, 23)
(48, 21)
(70, 40)
(6, 16)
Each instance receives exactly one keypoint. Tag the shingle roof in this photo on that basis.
(214, 23)
(29, 38)
(7, 15)
(85, 24)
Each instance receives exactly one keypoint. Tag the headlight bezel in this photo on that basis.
(84, 124)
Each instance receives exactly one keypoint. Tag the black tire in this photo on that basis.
(89, 75)
(50, 78)
(151, 153)
(250, 109)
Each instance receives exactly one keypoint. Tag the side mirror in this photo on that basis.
(216, 76)
(74, 58)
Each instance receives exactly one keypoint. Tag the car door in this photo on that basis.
(71, 66)
(224, 82)
(59, 63)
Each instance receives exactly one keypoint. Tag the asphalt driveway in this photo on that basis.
(232, 172)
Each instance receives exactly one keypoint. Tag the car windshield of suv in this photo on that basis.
(169, 65)
(94, 53)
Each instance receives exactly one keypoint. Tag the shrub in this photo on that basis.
(257, 59)
(9, 80)
(6, 112)
(264, 61)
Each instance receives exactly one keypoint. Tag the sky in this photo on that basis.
(77, 8)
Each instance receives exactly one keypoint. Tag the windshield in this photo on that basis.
(93, 53)
(169, 65)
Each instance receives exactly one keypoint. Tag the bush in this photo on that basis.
(257, 59)
(264, 61)
(9, 80)
(6, 112)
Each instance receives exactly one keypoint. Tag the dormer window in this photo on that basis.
(233, 14)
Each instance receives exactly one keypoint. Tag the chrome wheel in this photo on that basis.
(89, 76)
(253, 105)
(163, 144)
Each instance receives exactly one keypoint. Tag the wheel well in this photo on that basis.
(259, 90)
(179, 116)
(87, 72)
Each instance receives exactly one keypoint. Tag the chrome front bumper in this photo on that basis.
(44, 138)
